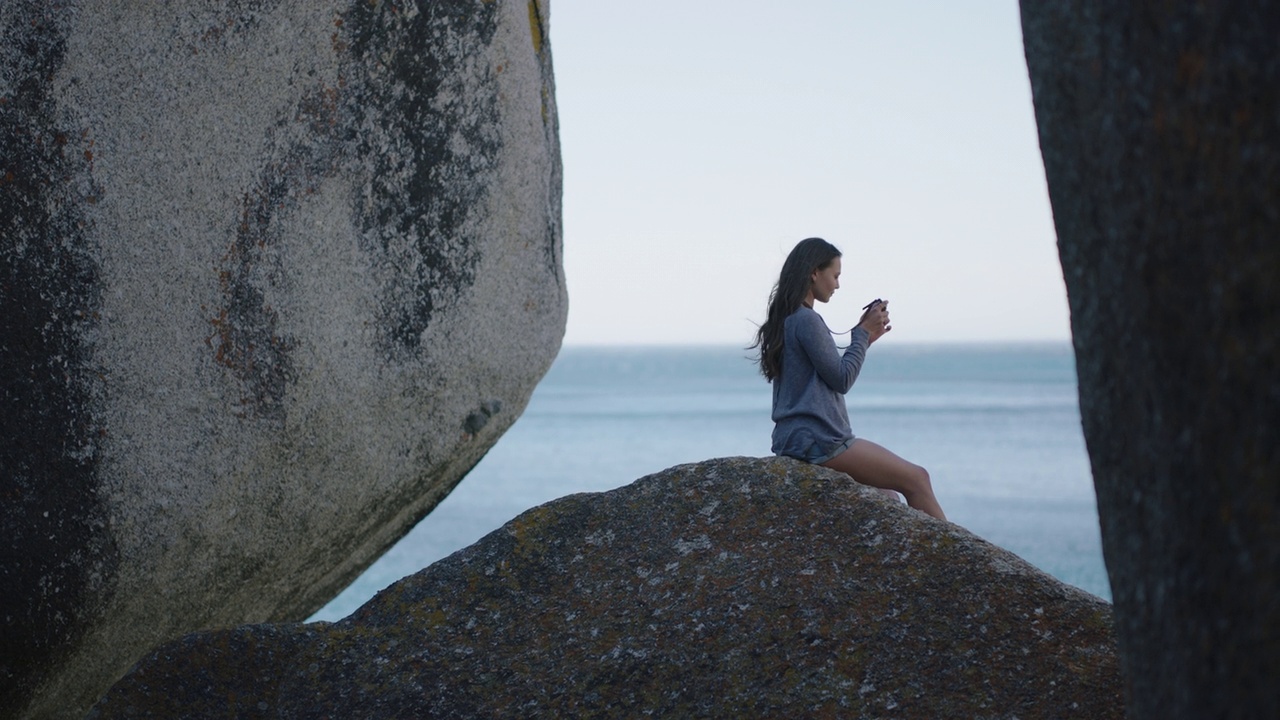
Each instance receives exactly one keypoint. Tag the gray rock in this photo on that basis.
(1160, 129)
(735, 588)
(274, 276)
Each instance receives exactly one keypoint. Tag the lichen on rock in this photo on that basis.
(737, 587)
(274, 277)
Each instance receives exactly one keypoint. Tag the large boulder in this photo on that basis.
(1160, 129)
(274, 276)
(735, 588)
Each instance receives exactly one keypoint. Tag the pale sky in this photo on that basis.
(703, 138)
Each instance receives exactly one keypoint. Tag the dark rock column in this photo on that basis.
(1160, 129)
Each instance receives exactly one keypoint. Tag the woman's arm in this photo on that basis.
(837, 371)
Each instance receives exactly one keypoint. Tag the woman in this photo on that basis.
(810, 378)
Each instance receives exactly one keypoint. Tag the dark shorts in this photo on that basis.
(818, 454)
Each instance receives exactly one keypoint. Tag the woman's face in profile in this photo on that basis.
(826, 281)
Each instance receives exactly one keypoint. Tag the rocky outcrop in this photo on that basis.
(274, 276)
(732, 588)
(1160, 129)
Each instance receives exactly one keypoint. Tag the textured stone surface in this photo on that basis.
(1160, 129)
(735, 588)
(274, 275)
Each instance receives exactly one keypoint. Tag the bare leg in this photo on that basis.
(871, 464)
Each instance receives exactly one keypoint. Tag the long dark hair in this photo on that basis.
(793, 284)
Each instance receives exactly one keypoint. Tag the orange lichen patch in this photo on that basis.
(221, 331)
(1191, 65)
(321, 109)
(535, 26)
(336, 40)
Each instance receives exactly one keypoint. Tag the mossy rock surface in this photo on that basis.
(737, 587)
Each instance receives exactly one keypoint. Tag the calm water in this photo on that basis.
(998, 427)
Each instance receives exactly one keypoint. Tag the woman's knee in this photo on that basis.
(917, 479)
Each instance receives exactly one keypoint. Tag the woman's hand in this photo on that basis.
(876, 321)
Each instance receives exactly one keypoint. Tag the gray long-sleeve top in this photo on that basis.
(808, 396)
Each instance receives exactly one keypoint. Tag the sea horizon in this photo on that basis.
(995, 422)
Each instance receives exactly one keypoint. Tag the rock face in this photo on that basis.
(274, 276)
(1160, 129)
(732, 588)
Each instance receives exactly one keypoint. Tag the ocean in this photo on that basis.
(997, 426)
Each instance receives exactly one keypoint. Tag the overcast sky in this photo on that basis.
(703, 138)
